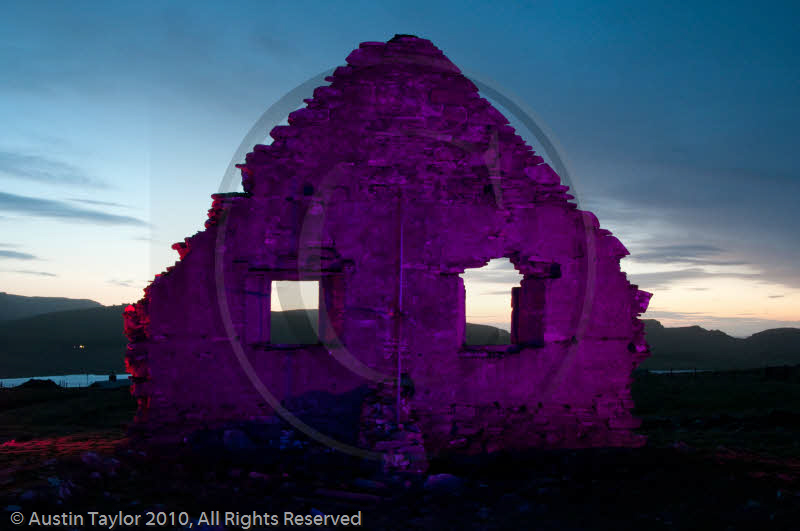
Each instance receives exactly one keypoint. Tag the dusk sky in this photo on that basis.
(678, 123)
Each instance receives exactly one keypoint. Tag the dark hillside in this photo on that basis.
(19, 306)
(49, 344)
(694, 347)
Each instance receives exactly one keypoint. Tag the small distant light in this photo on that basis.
(80, 346)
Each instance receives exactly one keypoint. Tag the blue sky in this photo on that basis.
(678, 122)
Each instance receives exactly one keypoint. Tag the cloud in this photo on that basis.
(122, 283)
(498, 292)
(696, 253)
(268, 43)
(775, 296)
(735, 326)
(495, 277)
(664, 314)
(48, 208)
(670, 213)
(99, 203)
(44, 169)
(500, 264)
(38, 273)
(497, 271)
(662, 279)
(16, 255)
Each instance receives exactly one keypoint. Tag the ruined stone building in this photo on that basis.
(391, 182)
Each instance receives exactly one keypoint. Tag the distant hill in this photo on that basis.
(19, 307)
(478, 334)
(694, 347)
(49, 344)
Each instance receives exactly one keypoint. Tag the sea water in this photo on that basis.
(66, 380)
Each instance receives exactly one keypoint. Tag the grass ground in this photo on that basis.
(46, 412)
(722, 455)
(755, 410)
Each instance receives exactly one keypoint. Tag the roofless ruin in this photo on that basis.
(391, 182)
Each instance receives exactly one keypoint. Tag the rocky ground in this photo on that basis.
(686, 478)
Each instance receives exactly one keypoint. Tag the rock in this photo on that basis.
(509, 503)
(64, 490)
(442, 483)
(348, 495)
(91, 459)
(368, 484)
(112, 466)
(752, 504)
(681, 447)
(236, 441)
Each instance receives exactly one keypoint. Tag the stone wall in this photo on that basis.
(391, 182)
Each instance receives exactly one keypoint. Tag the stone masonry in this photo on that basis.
(385, 187)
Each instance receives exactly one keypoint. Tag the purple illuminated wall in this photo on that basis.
(392, 181)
